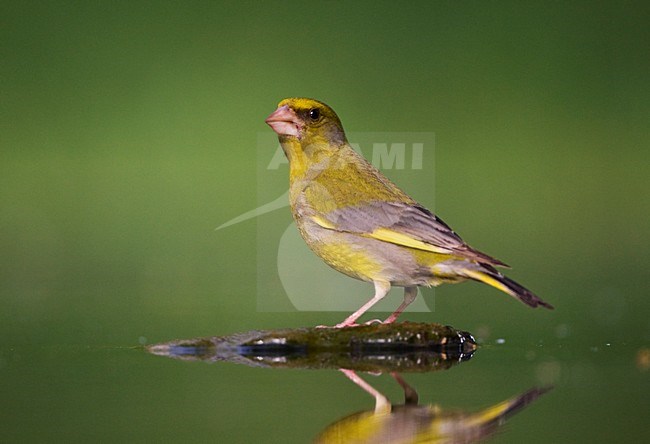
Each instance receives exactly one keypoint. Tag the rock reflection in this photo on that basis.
(414, 423)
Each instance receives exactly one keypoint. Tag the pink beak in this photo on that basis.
(284, 121)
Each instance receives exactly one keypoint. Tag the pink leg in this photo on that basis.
(381, 289)
(382, 404)
(410, 293)
(410, 395)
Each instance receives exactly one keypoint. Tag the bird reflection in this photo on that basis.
(414, 423)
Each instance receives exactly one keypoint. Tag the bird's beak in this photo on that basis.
(285, 122)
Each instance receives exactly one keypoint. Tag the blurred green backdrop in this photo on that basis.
(128, 132)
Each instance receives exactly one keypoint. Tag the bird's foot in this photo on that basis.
(345, 325)
(341, 325)
(354, 324)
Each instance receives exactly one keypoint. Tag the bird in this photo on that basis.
(362, 224)
(412, 422)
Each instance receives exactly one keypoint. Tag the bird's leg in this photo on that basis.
(410, 293)
(382, 404)
(410, 395)
(381, 289)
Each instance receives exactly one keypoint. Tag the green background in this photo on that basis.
(128, 132)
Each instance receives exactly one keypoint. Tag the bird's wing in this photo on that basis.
(406, 224)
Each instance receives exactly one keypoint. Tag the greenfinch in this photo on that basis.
(412, 422)
(361, 224)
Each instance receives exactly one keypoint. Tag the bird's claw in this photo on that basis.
(341, 325)
(344, 325)
(350, 325)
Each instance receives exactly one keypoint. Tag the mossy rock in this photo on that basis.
(404, 347)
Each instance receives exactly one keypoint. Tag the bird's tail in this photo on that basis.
(492, 277)
(500, 412)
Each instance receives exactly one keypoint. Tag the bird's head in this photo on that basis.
(306, 122)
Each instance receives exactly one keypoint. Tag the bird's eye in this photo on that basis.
(314, 114)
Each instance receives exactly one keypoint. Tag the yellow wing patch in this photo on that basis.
(386, 235)
(323, 222)
(394, 237)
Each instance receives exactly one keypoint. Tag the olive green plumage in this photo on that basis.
(362, 224)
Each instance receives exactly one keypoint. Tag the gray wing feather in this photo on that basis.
(410, 219)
